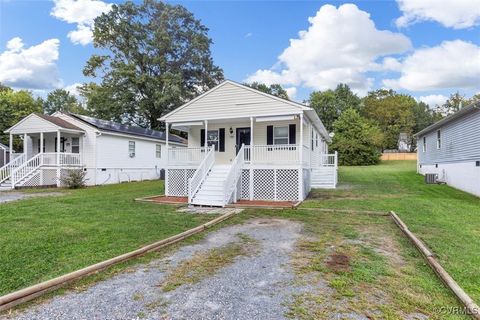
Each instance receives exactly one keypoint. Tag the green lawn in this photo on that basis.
(41, 238)
(446, 219)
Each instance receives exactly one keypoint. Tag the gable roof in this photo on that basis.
(112, 126)
(229, 84)
(4, 147)
(464, 111)
(230, 100)
(58, 121)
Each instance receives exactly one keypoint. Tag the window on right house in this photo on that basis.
(439, 139)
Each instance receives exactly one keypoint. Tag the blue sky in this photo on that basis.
(429, 50)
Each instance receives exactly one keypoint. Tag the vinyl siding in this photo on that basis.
(34, 124)
(259, 135)
(231, 101)
(460, 141)
(112, 152)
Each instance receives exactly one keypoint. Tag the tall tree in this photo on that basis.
(330, 104)
(273, 89)
(356, 139)
(455, 102)
(62, 100)
(393, 112)
(14, 106)
(158, 57)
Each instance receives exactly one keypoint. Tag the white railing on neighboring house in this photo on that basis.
(26, 169)
(233, 175)
(6, 170)
(200, 174)
(272, 154)
(185, 156)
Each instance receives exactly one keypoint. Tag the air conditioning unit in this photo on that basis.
(431, 178)
(132, 155)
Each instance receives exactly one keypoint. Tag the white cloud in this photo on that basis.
(452, 64)
(248, 35)
(292, 92)
(457, 14)
(73, 89)
(433, 99)
(391, 64)
(340, 46)
(82, 13)
(30, 68)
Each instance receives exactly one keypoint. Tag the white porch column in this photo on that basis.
(251, 158)
(58, 158)
(168, 153)
(41, 142)
(10, 145)
(300, 157)
(25, 145)
(206, 137)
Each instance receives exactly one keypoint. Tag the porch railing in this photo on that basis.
(233, 175)
(185, 156)
(66, 159)
(201, 173)
(26, 169)
(324, 160)
(273, 154)
(6, 170)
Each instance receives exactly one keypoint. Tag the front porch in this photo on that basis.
(45, 158)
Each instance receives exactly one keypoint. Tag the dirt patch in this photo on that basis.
(338, 262)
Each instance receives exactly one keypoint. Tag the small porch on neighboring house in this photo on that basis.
(50, 147)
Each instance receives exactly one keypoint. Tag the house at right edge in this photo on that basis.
(451, 149)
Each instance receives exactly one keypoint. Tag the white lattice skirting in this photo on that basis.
(270, 184)
(178, 181)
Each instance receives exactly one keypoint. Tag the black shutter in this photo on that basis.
(292, 131)
(269, 135)
(202, 137)
(221, 140)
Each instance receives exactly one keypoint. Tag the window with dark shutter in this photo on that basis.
(292, 131)
(202, 137)
(269, 135)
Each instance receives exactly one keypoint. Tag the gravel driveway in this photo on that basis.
(256, 286)
(8, 196)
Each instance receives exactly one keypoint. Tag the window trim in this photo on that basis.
(287, 137)
(75, 145)
(158, 149)
(131, 154)
(439, 139)
(218, 138)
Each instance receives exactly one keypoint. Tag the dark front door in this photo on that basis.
(243, 137)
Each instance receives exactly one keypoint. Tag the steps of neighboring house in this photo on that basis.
(211, 191)
(323, 177)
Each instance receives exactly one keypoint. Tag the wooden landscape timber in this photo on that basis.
(470, 305)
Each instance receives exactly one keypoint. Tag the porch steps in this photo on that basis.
(323, 177)
(6, 185)
(211, 191)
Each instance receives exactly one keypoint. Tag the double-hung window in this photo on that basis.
(75, 145)
(212, 138)
(424, 146)
(280, 135)
(158, 151)
(131, 149)
(439, 140)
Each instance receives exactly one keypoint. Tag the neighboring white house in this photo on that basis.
(4, 154)
(109, 152)
(246, 144)
(451, 149)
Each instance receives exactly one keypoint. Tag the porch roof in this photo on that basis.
(37, 122)
(4, 147)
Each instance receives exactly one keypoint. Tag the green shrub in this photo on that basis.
(74, 179)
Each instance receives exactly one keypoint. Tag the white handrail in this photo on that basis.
(6, 170)
(201, 173)
(233, 175)
(27, 168)
(185, 156)
(274, 153)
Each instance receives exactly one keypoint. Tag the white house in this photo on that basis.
(4, 154)
(109, 152)
(246, 144)
(450, 148)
